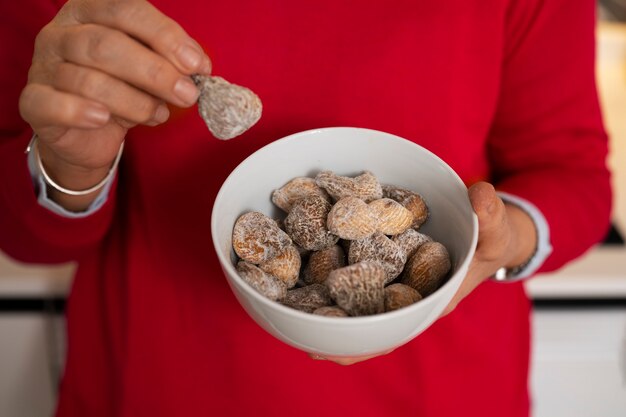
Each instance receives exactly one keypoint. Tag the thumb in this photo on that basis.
(493, 239)
(492, 221)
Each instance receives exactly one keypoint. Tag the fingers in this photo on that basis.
(120, 56)
(123, 54)
(156, 30)
(43, 106)
(340, 360)
(136, 107)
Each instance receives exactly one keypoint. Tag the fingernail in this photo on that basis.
(161, 114)
(189, 57)
(96, 116)
(207, 66)
(186, 91)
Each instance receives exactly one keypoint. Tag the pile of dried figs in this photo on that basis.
(348, 246)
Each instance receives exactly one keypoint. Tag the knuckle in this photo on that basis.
(156, 72)
(41, 71)
(79, 80)
(78, 10)
(62, 74)
(171, 36)
(25, 103)
(98, 46)
(91, 84)
(171, 42)
(121, 9)
(43, 38)
(144, 110)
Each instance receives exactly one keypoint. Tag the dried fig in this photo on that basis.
(257, 238)
(358, 289)
(308, 299)
(411, 201)
(322, 263)
(427, 268)
(227, 109)
(266, 284)
(393, 218)
(379, 248)
(400, 295)
(306, 223)
(284, 266)
(351, 218)
(296, 189)
(365, 186)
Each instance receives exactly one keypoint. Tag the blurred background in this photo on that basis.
(579, 330)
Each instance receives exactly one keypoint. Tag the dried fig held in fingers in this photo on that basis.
(266, 284)
(427, 268)
(227, 109)
(257, 238)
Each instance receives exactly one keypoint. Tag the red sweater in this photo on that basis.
(501, 90)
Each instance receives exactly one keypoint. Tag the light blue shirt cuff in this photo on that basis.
(45, 201)
(544, 247)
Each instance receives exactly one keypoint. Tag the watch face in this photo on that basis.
(502, 274)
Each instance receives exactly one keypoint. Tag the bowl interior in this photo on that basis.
(346, 151)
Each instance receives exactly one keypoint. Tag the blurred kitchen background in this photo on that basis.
(579, 331)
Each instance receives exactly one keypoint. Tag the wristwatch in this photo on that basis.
(505, 274)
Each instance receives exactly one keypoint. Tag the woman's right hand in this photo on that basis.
(98, 69)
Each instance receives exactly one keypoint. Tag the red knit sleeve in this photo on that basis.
(29, 232)
(548, 144)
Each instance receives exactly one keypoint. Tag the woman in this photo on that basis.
(504, 92)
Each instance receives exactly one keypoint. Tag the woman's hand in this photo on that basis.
(506, 237)
(100, 68)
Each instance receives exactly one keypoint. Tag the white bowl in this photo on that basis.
(347, 151)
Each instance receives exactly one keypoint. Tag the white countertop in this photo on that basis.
(601, 273)
(34, 281)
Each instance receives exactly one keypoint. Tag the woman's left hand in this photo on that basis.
(506, 237)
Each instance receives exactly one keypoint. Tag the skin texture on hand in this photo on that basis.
(506, 237)
(100, 68)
